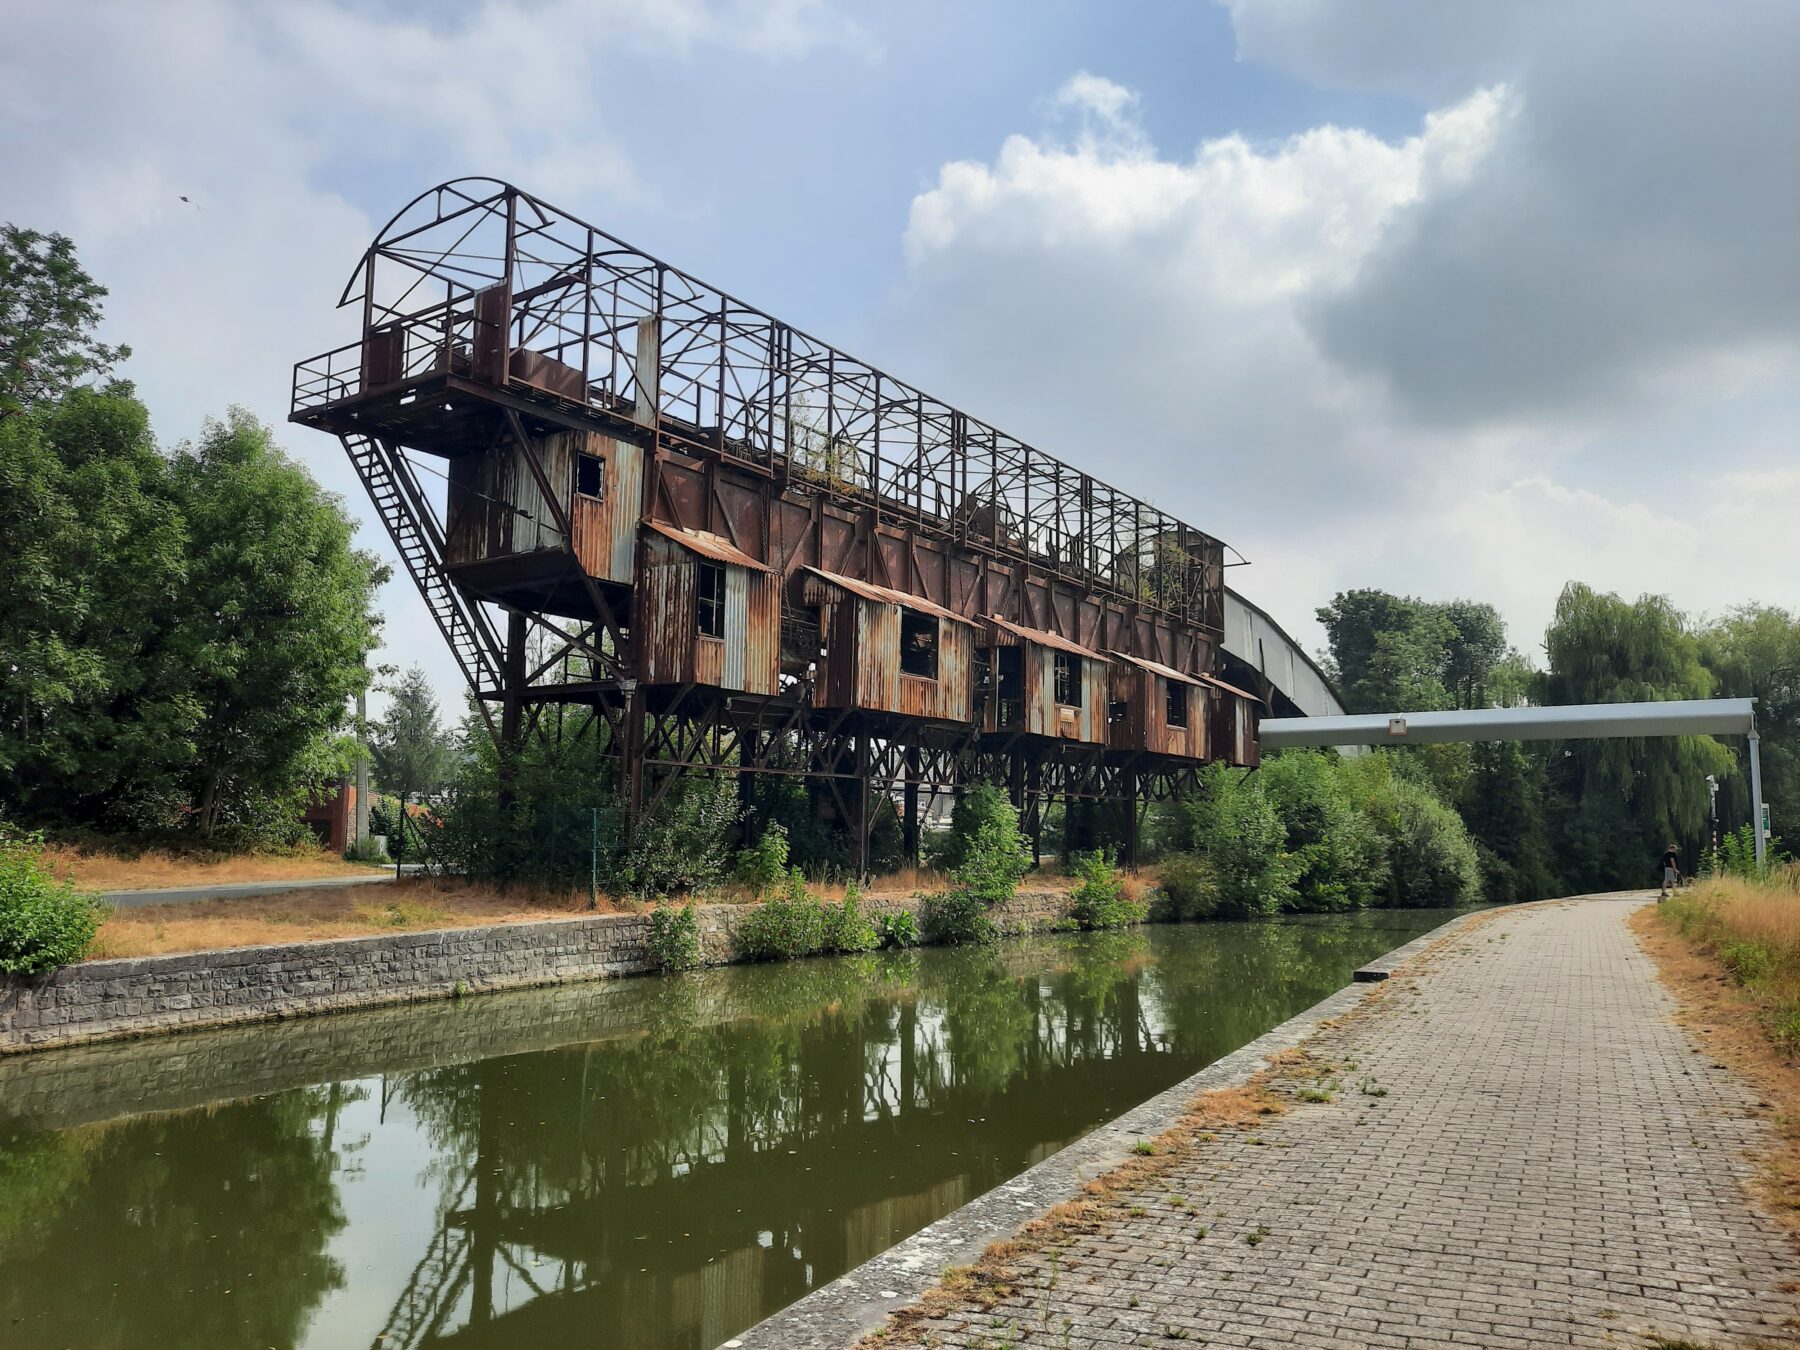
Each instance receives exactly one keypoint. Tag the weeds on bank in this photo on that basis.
(1730, 951)
(1753, 928)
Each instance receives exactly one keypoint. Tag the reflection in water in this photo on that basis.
(662, 1179)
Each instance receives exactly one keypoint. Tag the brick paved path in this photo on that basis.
(1551, 1164)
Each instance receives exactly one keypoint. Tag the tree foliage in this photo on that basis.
(412, 753)
(49, 309)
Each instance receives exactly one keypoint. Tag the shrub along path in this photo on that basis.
(1511, 1143)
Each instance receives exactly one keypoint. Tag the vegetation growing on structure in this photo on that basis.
(846, 929)
(899, 930)
(787, 925)
(1100, 900)
(44, 922)
(674, 937)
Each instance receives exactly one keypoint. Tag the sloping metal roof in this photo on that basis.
(1158, 668)
(881, 595)
(1019, 632)
(1575, 722)
(1217, 683)
(716, 547)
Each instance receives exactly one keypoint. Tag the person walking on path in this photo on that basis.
(1671, 871)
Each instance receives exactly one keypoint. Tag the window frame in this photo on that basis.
(709, 610)
(918, 623)
(1176, 694)
(582, 460)
(1067, 675)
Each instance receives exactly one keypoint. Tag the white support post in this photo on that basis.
(1756, 800)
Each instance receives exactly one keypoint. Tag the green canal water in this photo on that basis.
(655, 1164)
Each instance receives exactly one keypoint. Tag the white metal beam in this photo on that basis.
(1575, 722)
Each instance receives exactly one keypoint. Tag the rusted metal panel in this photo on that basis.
(877, 655)
(494, 505)
(707, 545)
(1006, 633)
(762, 633)
(672, 650)
(546, 373)
(665, 618)
(819, 587)
(737, 626)
(606, 529)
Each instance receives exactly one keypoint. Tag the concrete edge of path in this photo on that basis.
(838, 1314)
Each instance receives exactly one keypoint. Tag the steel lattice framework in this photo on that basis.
(492, 319)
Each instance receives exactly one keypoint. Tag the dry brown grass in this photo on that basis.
(103, 870)
(304, 916)
(1730, 1023)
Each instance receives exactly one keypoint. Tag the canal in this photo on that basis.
(655, 1164)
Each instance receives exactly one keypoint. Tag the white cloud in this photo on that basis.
(273, 120)
(1175, 323)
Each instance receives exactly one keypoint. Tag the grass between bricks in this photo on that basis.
(1732, 1025)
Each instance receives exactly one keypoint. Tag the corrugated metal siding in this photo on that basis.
(606, 530)
(494, 507)
(877, 655)
(671, 648)
(862, 664)
(1044, 716)
(737, 626)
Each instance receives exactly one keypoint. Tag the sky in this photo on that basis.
(1451, 300)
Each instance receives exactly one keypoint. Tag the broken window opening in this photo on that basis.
(709, 605)
(1178, 702)
(918, 644)
(1068, 680)
(590, 477)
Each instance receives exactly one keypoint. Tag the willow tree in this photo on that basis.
(1625, 799)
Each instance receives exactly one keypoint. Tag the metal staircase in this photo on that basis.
(419, 539)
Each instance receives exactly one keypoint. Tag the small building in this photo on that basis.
(889, 651)
(706, 613)
(1157, 709)
(1233, 724)
(500, 529)
(1042, 684)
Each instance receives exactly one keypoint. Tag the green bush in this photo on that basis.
(845, 928)
(783, 927)
(1748, 960)
(957, 917)
(994, 856)
(1239, 830)
(1099, 901)
(684, 845)
(763, 865)
(899, 930)
(1341, 861)
(44, 922)
(1189, 889)
(674, 938)
(980, 808)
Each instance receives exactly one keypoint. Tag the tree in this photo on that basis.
(1627, 798)
(412, 754)
(1754, 652)
(1394, 653)
(96, 719)
(277, 621)
(49, 309)
(1340, 858)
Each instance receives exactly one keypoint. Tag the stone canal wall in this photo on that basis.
(106, 1000)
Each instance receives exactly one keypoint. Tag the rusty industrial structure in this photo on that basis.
(723, 546)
